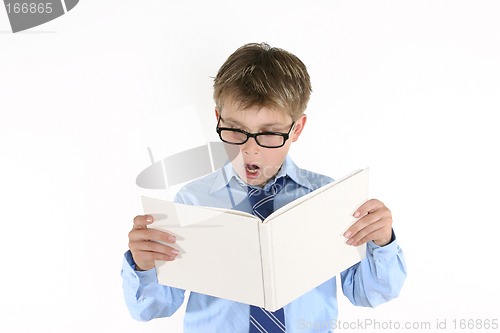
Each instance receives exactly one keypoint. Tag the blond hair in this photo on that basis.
(263, 76)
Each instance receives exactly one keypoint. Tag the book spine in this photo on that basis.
(267, 258)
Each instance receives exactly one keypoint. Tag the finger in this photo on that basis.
(366, 234)
(368, 207)
(141, 221)
(145, 253)
(364, 222)
(380, 237)
(148, 256)
(145, 246)
(148, 234)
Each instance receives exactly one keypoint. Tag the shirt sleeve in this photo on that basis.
(378, 278)
(145, 298)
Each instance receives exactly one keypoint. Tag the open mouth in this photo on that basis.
(252, 168)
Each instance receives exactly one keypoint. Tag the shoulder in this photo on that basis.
(192, 191)
(306, 178)
(317, 178)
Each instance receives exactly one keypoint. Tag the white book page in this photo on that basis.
(306, 246)
(219, 251)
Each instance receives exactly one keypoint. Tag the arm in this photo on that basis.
(376, 279)
(380, 276)
(144, 296)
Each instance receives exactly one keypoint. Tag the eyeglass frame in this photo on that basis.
(249, 135)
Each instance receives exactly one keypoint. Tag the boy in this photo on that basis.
(261, 94)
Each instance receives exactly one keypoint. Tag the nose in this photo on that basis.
(251, 146)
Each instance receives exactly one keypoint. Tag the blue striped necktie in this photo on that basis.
(262, 201)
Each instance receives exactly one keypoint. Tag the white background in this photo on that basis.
(409, 88)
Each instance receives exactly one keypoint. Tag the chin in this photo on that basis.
(253, 182)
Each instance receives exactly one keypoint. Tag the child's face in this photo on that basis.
(255, 164)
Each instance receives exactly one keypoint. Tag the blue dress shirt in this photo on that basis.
(375, 280)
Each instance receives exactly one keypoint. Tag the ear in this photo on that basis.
(216, 114)
(298, 127)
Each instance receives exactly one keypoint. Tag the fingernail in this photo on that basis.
(349, 241)
(356, 214)
(171, 239)
(149, 219)
(174, 252)
(347, 234)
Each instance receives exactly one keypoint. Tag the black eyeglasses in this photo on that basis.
(237, 136)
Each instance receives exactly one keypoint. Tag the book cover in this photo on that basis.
(232, 254)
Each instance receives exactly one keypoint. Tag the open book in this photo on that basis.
(232, 254)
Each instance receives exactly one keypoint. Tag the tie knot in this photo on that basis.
(262, 199)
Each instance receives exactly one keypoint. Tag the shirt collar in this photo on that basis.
(226, 175)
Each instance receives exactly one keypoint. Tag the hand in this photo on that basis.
(144, 244)
(374, 224)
